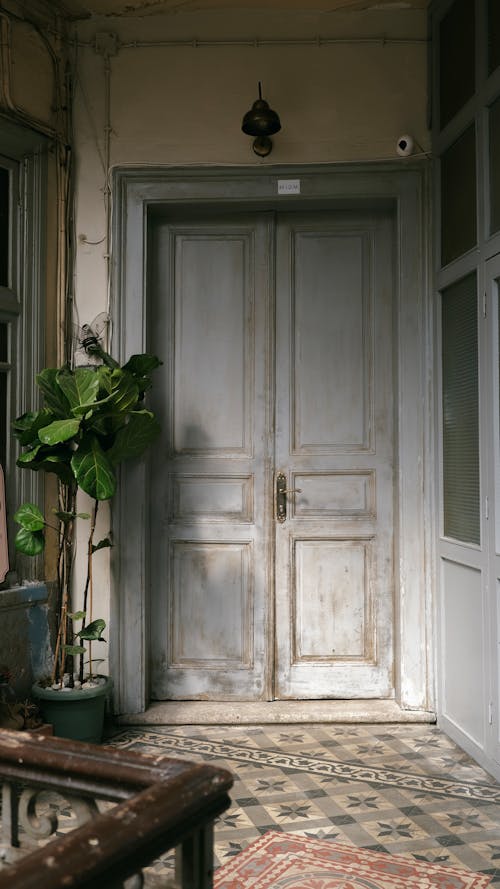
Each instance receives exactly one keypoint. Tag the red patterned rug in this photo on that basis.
(284, 861)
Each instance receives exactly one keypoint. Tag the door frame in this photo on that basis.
(404, 190)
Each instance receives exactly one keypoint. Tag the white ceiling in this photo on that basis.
(87, 8)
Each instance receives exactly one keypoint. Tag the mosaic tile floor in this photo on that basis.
(404, 789)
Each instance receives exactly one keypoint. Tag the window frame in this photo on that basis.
(476, 729)
(23, 152)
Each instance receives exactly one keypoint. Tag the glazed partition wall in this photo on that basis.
(466, 146)
(23, 224)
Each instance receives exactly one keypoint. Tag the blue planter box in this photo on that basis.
(24, 635)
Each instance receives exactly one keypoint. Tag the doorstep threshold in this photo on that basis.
(269, 712)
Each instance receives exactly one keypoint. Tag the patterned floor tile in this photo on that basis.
(398, 788)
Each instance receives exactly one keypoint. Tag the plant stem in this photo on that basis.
(67, 499)
(88, 590)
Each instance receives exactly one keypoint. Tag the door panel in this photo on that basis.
(334, 443)
(213, 318)
(329, 379)
(246, 606)
(337, 572)
(206, 572)
(209, 549)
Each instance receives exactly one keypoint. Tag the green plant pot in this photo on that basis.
(77, 714)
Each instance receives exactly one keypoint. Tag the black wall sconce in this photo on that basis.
(262, 122)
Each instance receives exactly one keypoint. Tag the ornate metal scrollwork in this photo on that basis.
(37, 825)
(136, 881)
(26, 812)
(41, 825)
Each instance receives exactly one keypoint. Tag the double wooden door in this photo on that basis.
(271, 562)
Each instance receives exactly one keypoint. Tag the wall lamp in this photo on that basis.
(262, 122)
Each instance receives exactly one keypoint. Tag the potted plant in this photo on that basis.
(92, 419)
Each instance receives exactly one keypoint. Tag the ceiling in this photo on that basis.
(88, 8)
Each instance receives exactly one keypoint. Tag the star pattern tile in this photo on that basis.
(399, 789)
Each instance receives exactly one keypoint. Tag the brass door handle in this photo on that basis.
(281, 493)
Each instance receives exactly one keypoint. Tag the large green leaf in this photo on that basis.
(28, 457)
(57, 462)
(92, 421)
(102, 425)
(93, 632)
(124, 391)
(104, 377)
(49, 458)
(23, 423)
(54, 397)
(30, 517)
(103, 544)
(26, 427)
(112, 394)
(141, 366)
(80, 386)
(60, 470)
(58, 431)
(31, 543)
(93, 471)
(133, 439)
(75, 650)
(67, 517)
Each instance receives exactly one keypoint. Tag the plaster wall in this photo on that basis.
(32, 73)
(31, 60)
(182, 104)
(31, 114)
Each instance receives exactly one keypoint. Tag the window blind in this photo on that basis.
(460, 411)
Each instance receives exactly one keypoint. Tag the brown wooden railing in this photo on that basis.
(161, 803)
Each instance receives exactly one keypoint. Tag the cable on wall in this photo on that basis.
(260, 43)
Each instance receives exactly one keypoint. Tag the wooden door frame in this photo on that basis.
(405, 190)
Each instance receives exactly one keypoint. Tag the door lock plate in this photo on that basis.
(281, 495)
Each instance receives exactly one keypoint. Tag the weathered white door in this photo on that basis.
(276, 333)
(334, 446)
(211, 568)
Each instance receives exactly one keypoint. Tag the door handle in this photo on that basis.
(281, 494)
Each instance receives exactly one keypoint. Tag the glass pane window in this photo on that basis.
(457, 59)
(4, 390)
(4, 226)
(497, 441)
(493, 35)
(460, 405)
(22, 215)
(494, 132)
(4, 341)
(3, 418)
(458, 197)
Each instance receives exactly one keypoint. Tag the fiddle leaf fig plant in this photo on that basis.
(93, 418)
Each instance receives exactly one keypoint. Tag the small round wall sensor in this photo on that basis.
(405, 145)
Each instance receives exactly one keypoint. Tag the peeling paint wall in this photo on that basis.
(183, 104)
(173, 89)
(24, 635)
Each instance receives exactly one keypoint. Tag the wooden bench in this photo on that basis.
(161, 803)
